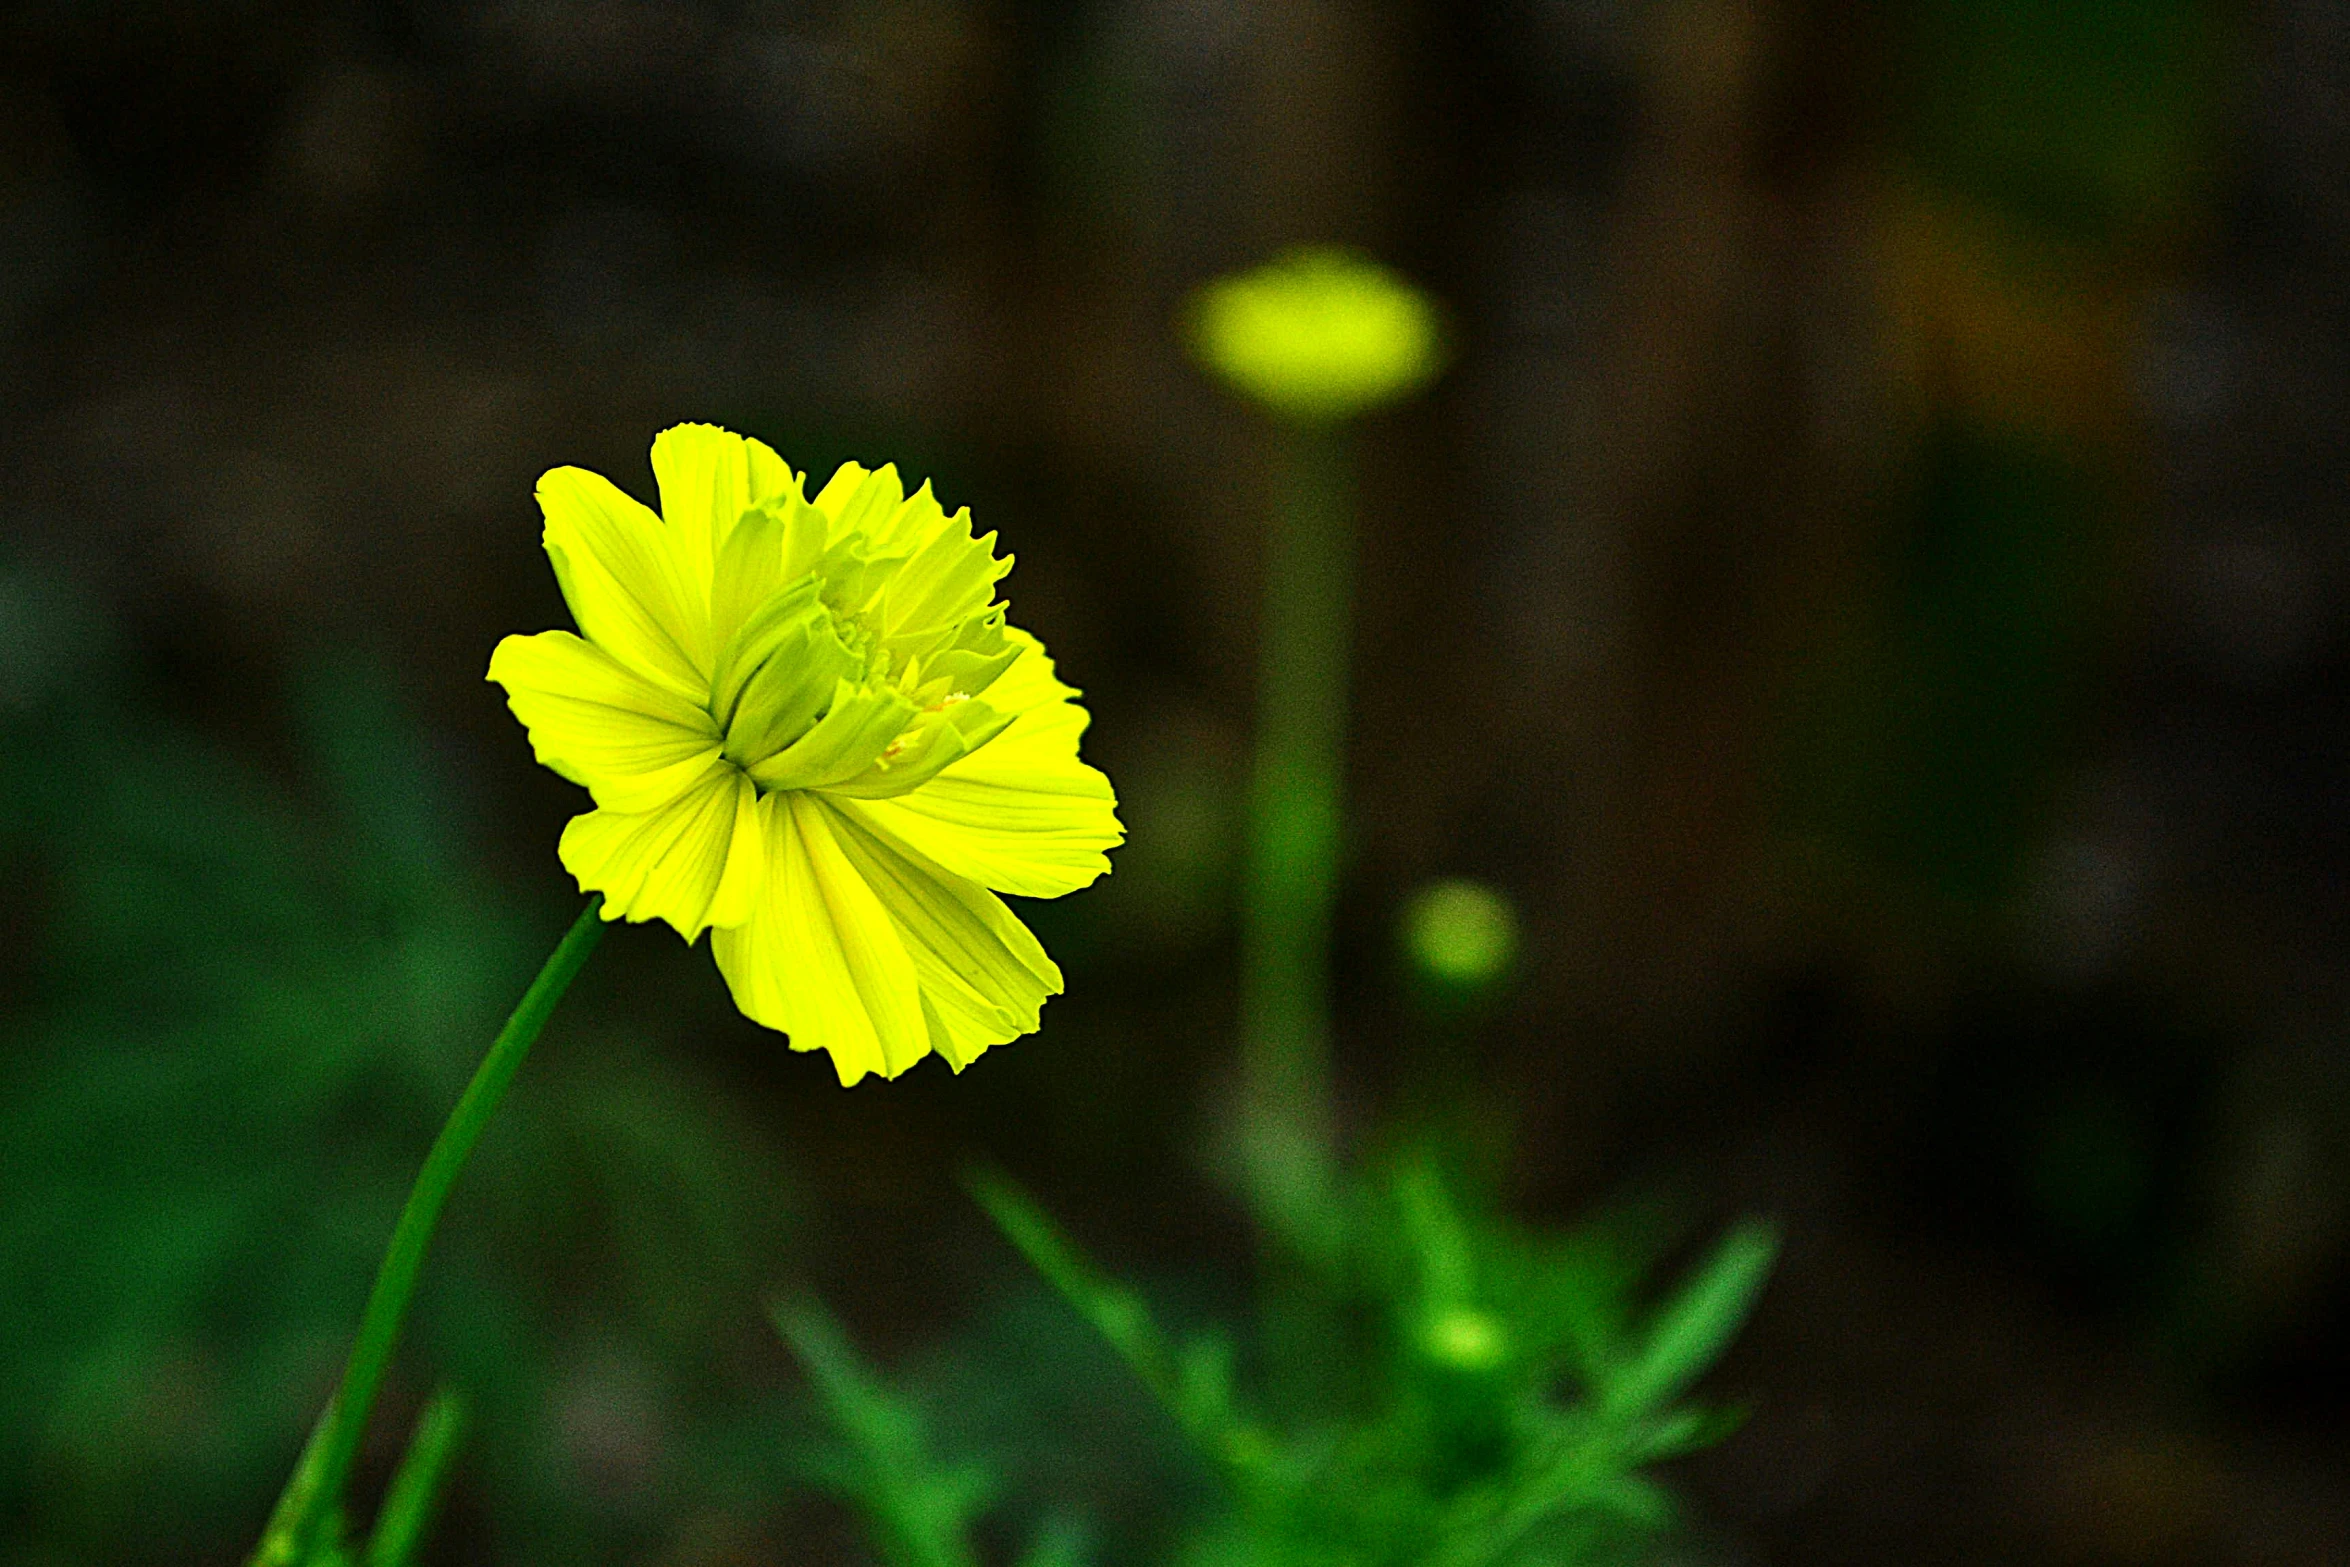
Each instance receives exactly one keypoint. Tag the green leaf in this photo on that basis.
(1696, 1325)
(1116, 1312)
(1686, 1431)
(416, 1486)
(290, 1521)
(1195, 1386)
(920, 1510)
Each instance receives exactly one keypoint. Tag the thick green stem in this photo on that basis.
(325, 1467)
(1290, 872)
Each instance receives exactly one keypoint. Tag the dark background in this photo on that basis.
(1870, 588)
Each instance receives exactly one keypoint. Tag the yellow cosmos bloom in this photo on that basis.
(808, 730)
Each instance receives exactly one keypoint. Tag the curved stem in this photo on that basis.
(316, 1489)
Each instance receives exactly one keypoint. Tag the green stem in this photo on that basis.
(323, 1473)
(1289, 876)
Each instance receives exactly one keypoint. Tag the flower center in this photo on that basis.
(860, 672)
(800, 693)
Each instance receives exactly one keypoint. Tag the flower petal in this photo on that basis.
(634, 744)
(859, 500)
(709, 477)
(737, 897)
(773, 546)
(780, 669)
(934, 741)
(671, 863)
(948, 578)
(1021, 814)
(820, 957)
(984, 976)
(855, 730)
(621, 574)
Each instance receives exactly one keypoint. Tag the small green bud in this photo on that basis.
(1317, 335)
(1461, 936)
(1466, 1339)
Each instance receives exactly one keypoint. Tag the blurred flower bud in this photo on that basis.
(1461, 938)
(1465, 1339)
(1317, 335)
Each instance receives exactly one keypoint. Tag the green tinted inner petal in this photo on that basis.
(779, 673)
(854, 579)
(938, 738)
(773, 544)
(949, 579)
(971, 659)
(854, 731)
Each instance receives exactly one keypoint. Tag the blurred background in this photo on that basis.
(1871, 590)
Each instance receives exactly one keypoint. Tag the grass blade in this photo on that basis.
(416, 1487)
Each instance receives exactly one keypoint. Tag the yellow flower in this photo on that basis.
(1317, 335)
(807, 728)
